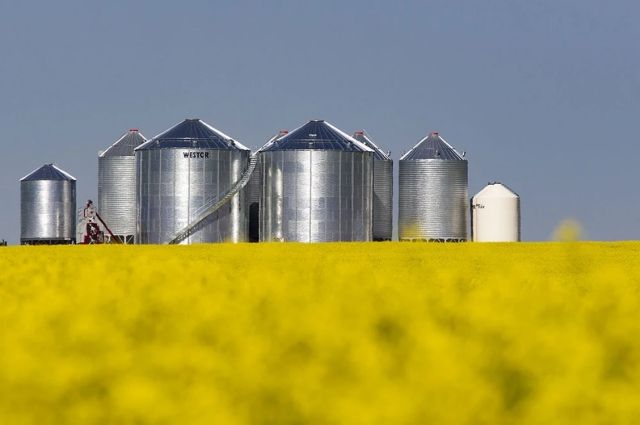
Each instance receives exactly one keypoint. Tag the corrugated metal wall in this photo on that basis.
(47, 211)
(382, 200)
(171, 188)
(317, 196)
(433, 200)
(117, 193)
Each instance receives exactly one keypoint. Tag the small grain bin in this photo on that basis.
(317, 186)
(48, 207)
(495, 212)
(180, 173)
(382, 189)
(117, 185)
(433, 193)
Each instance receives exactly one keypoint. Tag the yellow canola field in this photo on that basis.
(378, 333)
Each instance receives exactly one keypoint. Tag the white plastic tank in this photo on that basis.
(495, 212)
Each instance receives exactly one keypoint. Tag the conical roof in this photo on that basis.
(48, 172)
(273, 138)
(316, 135)
(362, 137)
(194, 134)
(496, 190)
(433, 147)
(125, 145)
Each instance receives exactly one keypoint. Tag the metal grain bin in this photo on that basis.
(254, 193)
(382, 189)
(433, 192)
(495, 214)
(48, 207)
(182, 171)
(117, 185)
(317, 186)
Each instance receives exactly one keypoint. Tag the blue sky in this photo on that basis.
(542, 95)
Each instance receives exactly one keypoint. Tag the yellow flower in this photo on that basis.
(388, 333)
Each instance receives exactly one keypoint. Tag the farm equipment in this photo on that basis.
(89, 230)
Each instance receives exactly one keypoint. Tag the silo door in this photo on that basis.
(254, 224)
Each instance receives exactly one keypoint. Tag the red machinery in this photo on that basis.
(91, 232)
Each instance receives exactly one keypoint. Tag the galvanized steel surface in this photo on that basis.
(48, 172)
(117, 184)
(382, 189)
(117, 193)
(212, 206)
(126, 144)
(192, 134)
(433, 147)
(47, 209)
(254, 187)
(316, 135)
(173, 183)
(382, 200)
(254, 192)
(433, 200)
(316, 196)
(362, 137)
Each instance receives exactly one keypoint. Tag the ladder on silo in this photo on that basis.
(205, 211)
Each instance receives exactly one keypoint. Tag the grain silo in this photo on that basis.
(317, 186)
(495, 214)
(254, 192)
(181, 174)
(382, 189)
(48, 207)
(433, 193)
(117, 185)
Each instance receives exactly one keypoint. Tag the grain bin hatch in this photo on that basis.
(362, 137)
(194, 134)
(317, 135)
(125, 145)
(433, 147)
(48, 172)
